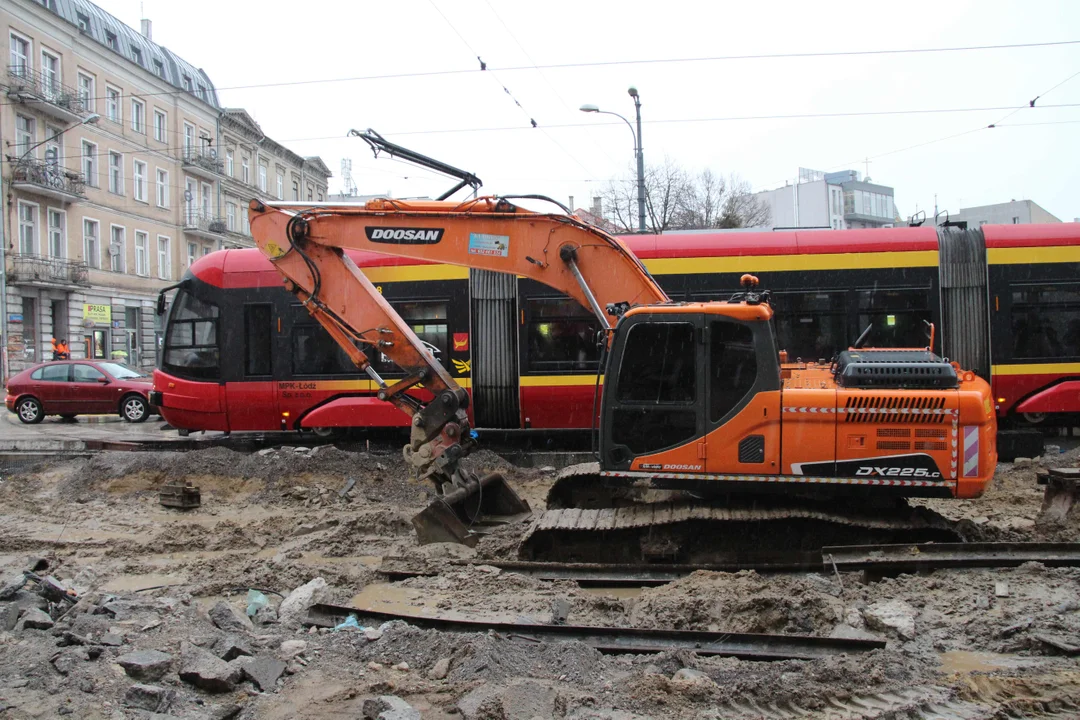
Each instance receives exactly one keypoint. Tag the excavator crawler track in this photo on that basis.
(704, 531)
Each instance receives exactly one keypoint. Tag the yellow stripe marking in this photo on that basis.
(552, 380)
(782, 263)
(404, 273)
(1024, 255)
(1037, 369)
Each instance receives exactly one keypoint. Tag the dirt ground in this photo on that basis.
(964, 643)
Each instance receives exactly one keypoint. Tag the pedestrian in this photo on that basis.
(55, 350)
(62, 351)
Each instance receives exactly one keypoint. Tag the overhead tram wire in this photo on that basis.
(532, 118)
(608, 63)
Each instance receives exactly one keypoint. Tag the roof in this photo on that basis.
(315, 162)
(128, 40)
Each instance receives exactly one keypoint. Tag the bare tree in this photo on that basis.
(676, 201)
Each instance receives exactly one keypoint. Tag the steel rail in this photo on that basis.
(615, 640)
(853, 558)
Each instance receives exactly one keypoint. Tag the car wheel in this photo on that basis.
(134, 408)
(30, 411)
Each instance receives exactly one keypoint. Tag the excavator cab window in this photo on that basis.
(656, 390)
(732, 366)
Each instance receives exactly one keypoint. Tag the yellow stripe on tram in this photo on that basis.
(1037, 369)
(781, 263)
(1025, 255)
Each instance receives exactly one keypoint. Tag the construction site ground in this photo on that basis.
(960, 643)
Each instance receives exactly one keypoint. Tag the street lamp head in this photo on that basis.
(589, 108)
(91, 119)
(632, 91)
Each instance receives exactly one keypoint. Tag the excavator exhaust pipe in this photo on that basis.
(461, 515)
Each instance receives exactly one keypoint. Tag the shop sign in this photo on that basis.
(97, 313)
(14, 317)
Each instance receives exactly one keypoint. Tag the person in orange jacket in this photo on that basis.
(55, 350)
(62, 352)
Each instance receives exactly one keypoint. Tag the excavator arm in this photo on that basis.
(306, 243)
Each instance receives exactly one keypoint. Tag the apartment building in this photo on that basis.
(115, 174)
(254, 165)
(837, 200)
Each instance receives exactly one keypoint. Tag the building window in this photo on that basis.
(116, 248)
(320, 196)
(160, 122)
(280, 187)
(112, 104)
(192, 253)
(159, 68)
(229, 162)
(1016, 220)
(204, 145)
(202, 91)
(310, 192)
(20, 64)
(140, 180)
(187, 83)
(142, 253)
(136, 55)
(116, 173)
(245, 170)
(138, 116)
(91, 253)
(83, 22)
(207, 203)
(206, 251)
(164, 259)
(191, 205)
(86, 92)
(110, 40)
(27, 228)
(50, 75)
(230, 216)
(162, 188)
(89, 163)
(262, 177)
(245, 224)
(189, 138)
(25, 131)
(57, 233)
(295, 190)
(54, 155)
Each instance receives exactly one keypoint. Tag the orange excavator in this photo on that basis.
(707, 436)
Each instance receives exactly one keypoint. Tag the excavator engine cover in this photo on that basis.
(458, 515)
(917, 369)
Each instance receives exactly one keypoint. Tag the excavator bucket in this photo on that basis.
(462, 515)
(1062, 491)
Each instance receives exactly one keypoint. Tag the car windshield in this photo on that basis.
(122, 372)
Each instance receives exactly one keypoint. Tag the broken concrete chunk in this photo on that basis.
(389, 707)
(293, 609)
(34, 619)
(895, 615)
(9, 615)
(200, 668)
(228, 619)
(522, 698)
(262, 670)
(148, 697)
(1001, 590)
(231, 647)
(112, 639)
(291, 648)
(440, 669)
(145, 664)
(560, 611)
(266, 451)
(11, 584)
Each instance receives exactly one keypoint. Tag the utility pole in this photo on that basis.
(640, 162)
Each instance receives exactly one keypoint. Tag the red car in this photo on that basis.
(79, 387)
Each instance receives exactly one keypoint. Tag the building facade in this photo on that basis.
(836, 201)
(1014, 212)
(114, 180)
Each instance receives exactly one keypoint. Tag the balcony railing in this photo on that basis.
(201, 223)
(204, 159)
(48, 178)
(29, 84)
(44, 269)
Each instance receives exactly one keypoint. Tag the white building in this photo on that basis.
(837, 201)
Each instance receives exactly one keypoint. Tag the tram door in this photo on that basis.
(253, 402)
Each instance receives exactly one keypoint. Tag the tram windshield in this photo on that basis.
(191, 343)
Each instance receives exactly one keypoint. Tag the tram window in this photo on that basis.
(811, 325)
(732, 366)
(191, 346)
(561, 335)
(257, 340)
(428, 320)
(897, 316)
(314, 352)
(1046, 321)
(658, 364)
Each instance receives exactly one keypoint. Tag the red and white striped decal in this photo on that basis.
(792, 479)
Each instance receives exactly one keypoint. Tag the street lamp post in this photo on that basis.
(5, 361)
(639, 155)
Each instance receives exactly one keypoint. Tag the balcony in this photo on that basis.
(45, 178)
(45, 93)
(204, 225)
(45, 271)
(202, 162)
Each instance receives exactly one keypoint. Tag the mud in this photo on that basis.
(975, 641)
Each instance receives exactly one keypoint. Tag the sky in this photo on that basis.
(409, 70)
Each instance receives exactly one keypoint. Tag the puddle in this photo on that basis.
(386, 597)
(963, 661)
(131, 583)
